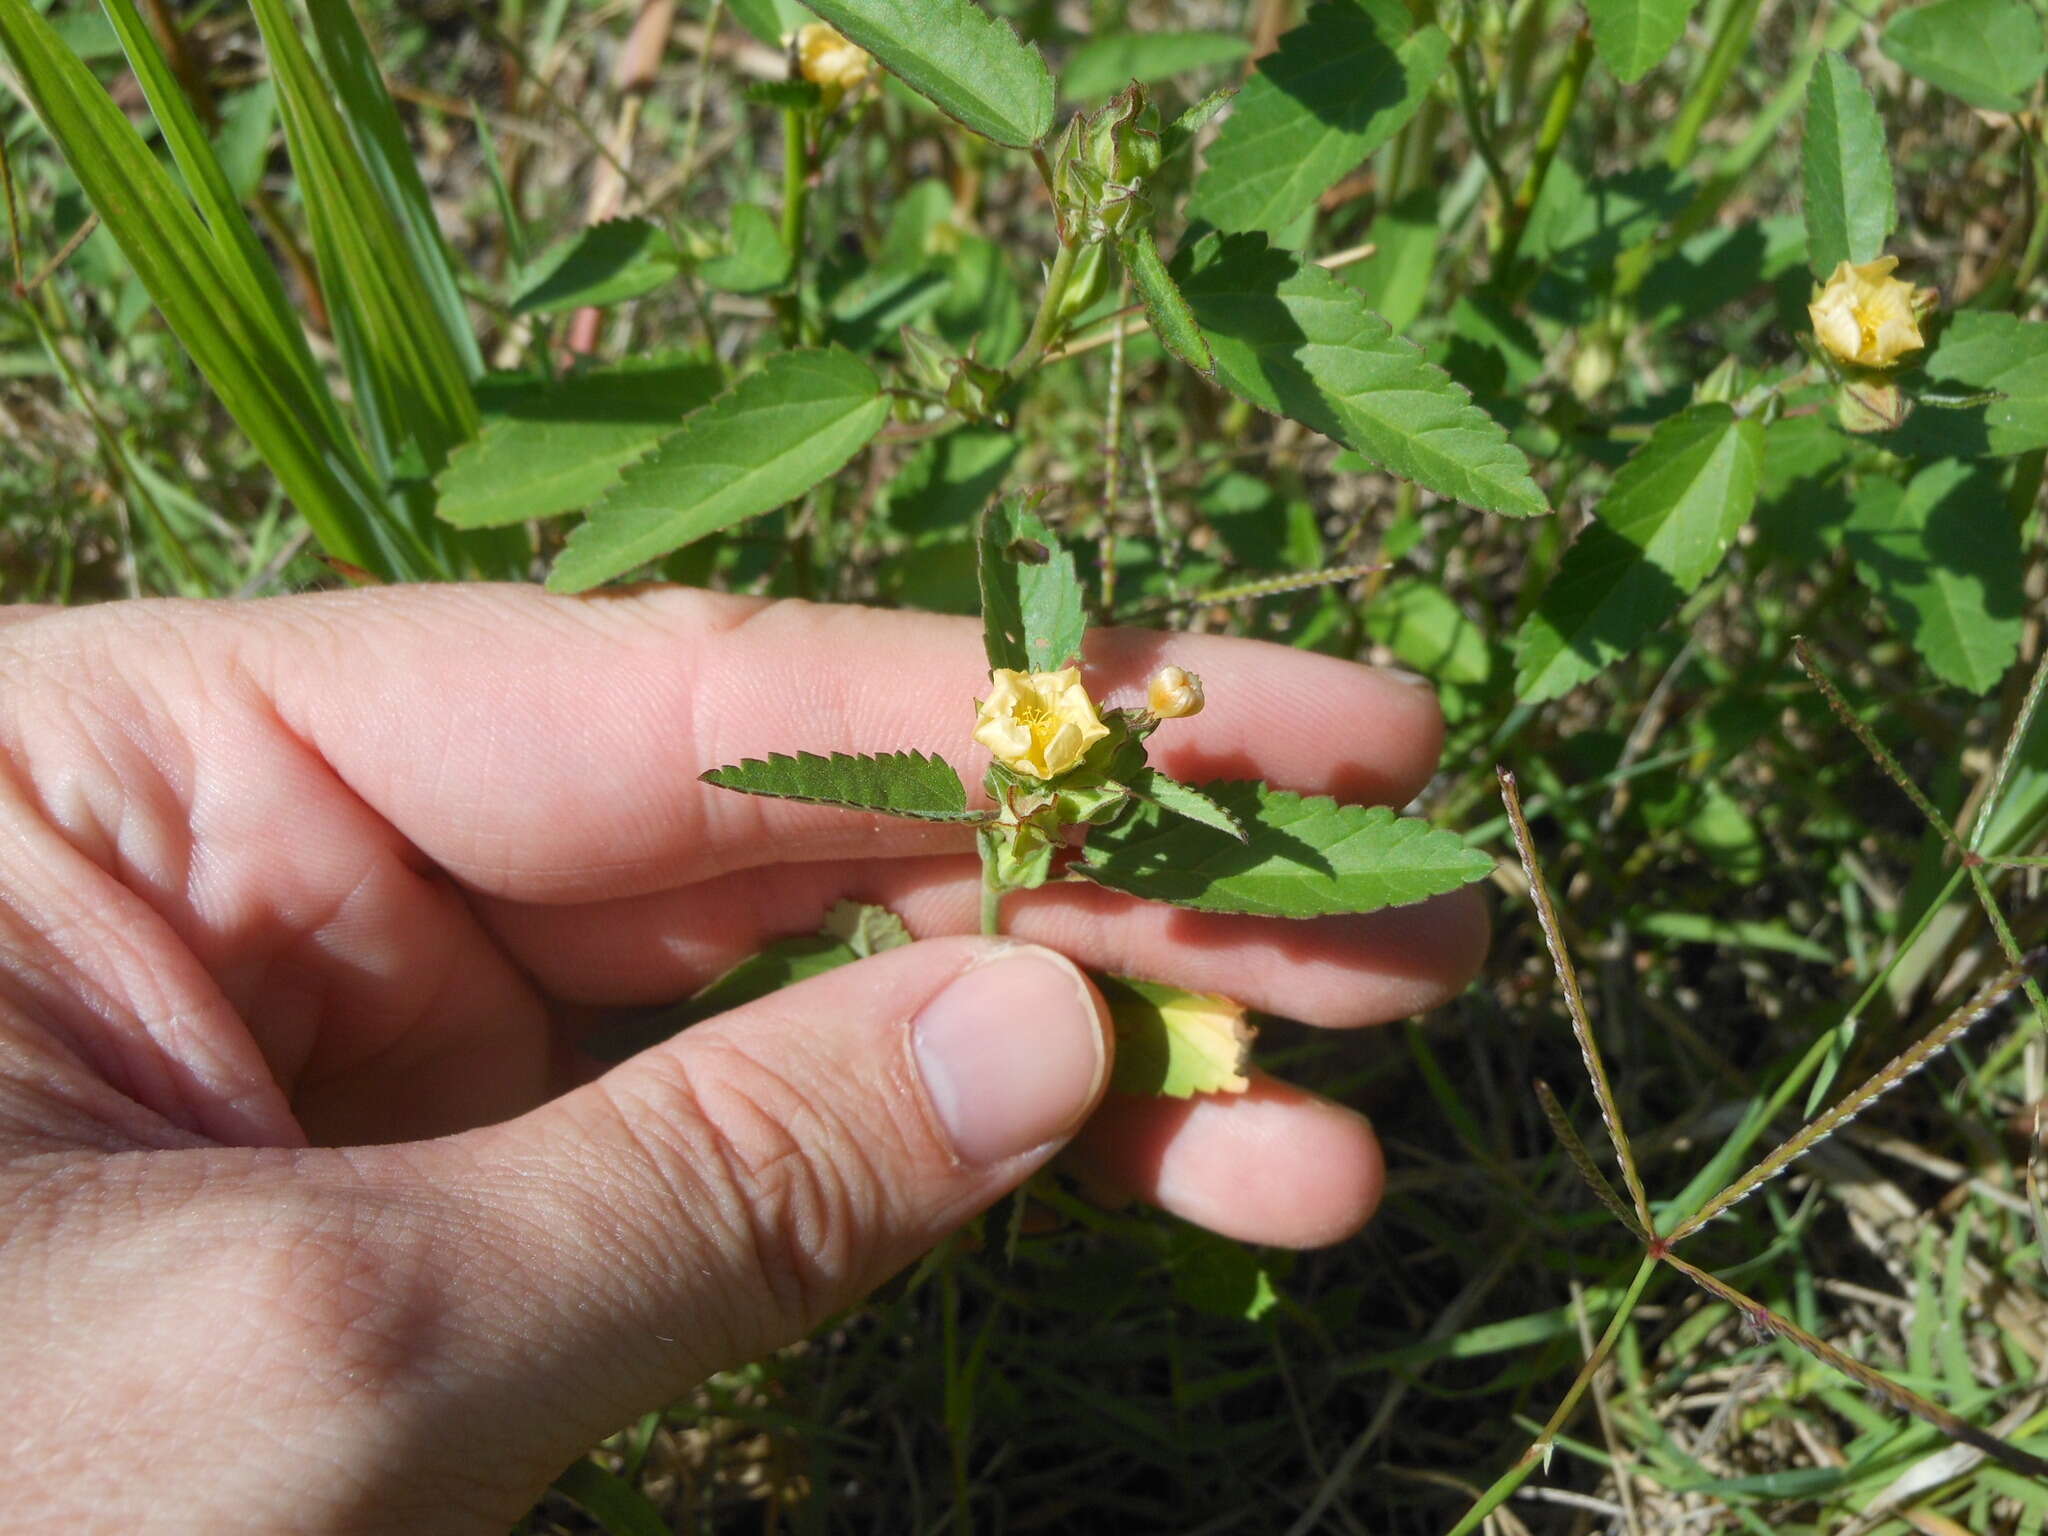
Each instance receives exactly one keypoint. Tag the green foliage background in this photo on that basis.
(1487, 357)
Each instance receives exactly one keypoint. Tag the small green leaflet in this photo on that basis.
(1290, 338)
(1174, 1042)
(866, 929)
(1663, 526)
(1632, 35)
(1180, 133)
(765, 441)
(1944, 556)
(1340, 85)
(607, 263)
(898, 783)
(1848, 177)
(1307, 856)
(557, 449)
(1034, 613)
(969, 64)
(1178, 798)
(1103, 66)
(1171, 319)
(757, 262)
(1987, 53)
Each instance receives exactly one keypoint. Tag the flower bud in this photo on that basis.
(1038, 723)
(1174, 694)
(1866, 317)
(831, 63)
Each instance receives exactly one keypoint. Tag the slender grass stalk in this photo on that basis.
(1557, 116)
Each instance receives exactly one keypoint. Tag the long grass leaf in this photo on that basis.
(1582, 1159)
(233, 340)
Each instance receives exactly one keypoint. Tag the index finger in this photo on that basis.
(547, 749)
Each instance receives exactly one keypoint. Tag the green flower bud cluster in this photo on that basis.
(1101, 167)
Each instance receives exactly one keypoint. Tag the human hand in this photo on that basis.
(310, 1201)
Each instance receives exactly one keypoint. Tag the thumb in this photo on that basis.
(715, 1197)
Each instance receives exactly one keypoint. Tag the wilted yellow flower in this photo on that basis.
(1174, 694)
(1039, 723)
(829, 61)
(1864, 315)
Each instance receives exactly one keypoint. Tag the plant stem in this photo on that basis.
(991, 902)
(796, 183)
(1730, 43)
(1048, 319)
(1564, 96)
(1482, 140)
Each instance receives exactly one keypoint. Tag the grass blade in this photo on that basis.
(1582, 1159)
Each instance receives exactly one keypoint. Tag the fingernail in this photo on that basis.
(1408, 679)
(1011, 1054)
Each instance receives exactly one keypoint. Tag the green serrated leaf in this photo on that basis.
(1104, 65)
(1848, 176)
(1983, 352)
(607, 263)
(765, 441)
(1307, 856)
(897, 783)
(1988, 53)
(1943, 554)
(1632, 35)
(1171, 319)
(1663, 526)
(758, 261)
(969, 64)
(1338, 87)
(1184, 800)
(1034, 613)
(865, 928)
(560, 448)
(1174, 1042)
(1290, 338)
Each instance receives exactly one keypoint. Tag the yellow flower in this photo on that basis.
(1174, 694)
(830, 62)
(1039, 723)
(1864, 315)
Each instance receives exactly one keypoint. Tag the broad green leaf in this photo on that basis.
(1944, 556)
(607, 263)
(1663, 526)
(1978, 352)
(1290, 338)
(1395, 278)
(1308, 856)
(765, 441)
(772, 21)
(969, 64)
(1420, 623)
(758, 261)
(1171, 319)
(1034, 614)
(896, 783)
(1103, 66)
(1632, 35)
(1988, 53)
(208, 274)
(865, 928)
(559, 449)
(1183, 800)
(1174, 1042)
(1339, 86)
(1848, 176)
